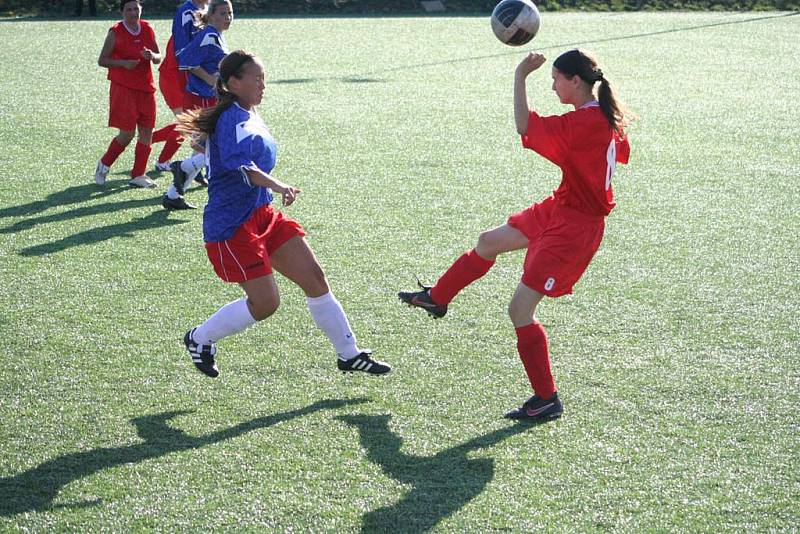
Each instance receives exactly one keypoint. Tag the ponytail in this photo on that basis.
(201, 17)
(584, 65)
(204, 121)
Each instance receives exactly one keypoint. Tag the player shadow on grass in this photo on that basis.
(35, 490)
(79, 194)
(441, 484)
(156, 219)
(71, 195)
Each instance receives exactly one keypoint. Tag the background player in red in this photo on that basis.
(172, 80)
(200, 58)
(129, 49)
(561, 233)
(245, 238)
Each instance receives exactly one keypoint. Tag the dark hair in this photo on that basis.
(205, 120)
(584, 65)
(123, 2)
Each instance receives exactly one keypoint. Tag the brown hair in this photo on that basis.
(583, 64)
(205, 120)
(201, 17)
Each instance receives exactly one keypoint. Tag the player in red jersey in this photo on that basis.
(129, 49)
(172, 80)
(562, 232)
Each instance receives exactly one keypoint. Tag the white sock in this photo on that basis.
(330, 318)
(172, 192)
(189, 179)
(228, 320)
(193, 164)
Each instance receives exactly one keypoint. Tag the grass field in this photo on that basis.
(677, 357)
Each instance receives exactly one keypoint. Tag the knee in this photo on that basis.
(125, 138)
(486, 247)
(519, 312)
(316, 284)
(263, 308)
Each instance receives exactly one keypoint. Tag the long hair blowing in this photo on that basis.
(584, 64)
(205, 120)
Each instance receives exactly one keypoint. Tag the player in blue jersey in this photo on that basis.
(244, 237)
(172, 81)
(200, 58)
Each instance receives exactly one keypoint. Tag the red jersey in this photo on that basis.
(130, 46)
(586, 149)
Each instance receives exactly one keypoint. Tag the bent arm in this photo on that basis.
(521, 109)
(530, 63)
(264, 179)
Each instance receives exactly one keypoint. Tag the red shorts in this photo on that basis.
(562, 243)
(129, 108)
(245, 256)
(192, 101)
(172, 82)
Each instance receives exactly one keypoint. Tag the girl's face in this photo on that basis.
(221, 17)
(563, 86)
(131, 13)
(249, 89)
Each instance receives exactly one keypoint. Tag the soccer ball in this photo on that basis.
(515, 22)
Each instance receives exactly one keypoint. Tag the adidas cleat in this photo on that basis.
(202, 355)
(538, 409)
(363, 362)
(176, 203)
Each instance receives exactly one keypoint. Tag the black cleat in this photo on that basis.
(201, 180)
(178, 176)
(422, 299)
(363, 362)
(176, 203)
(202, 355)
(537, 409)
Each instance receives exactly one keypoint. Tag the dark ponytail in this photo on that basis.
(205, 120)
(584, 65)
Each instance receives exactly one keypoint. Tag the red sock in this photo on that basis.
(112, 153)
(465, 270)
(535, 356)
(140, 161)
(174, 142)
(159, 136)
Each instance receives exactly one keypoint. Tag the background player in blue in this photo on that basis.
(201, 59)
(245, 238)
(172, 81)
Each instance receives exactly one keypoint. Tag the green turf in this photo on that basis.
(677, 358)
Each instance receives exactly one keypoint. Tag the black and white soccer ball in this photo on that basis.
(515, 22)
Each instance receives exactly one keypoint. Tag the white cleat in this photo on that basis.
(162, 167)
(100, 173)
(142, 181)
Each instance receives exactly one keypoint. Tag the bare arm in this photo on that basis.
(259, 177)
(152, 55)
(530, 63)
(105, 55)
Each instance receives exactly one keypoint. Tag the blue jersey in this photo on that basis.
(183, 26)
(206, 50)
(240, 141)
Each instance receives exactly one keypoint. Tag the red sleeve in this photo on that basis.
(548, 136)
(623, 149)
